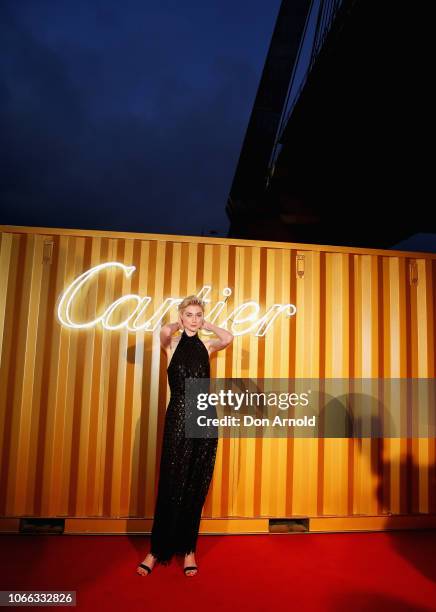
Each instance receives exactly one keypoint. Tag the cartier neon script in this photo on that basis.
(115, 317)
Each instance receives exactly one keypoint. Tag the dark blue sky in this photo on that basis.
(126, 115)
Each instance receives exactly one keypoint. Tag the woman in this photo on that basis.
(186, 464)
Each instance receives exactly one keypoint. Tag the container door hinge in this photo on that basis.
(48, 251)
(413, 272)
(300, 266)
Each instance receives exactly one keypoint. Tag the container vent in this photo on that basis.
(42, 525)
(290, 525)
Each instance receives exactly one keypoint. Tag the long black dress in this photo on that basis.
(186, 464)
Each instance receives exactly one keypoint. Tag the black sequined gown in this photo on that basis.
(186, 464)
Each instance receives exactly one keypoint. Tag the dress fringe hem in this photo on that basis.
(164, 558)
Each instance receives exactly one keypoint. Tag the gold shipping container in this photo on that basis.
(82, 409)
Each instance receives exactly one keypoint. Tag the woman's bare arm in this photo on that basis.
(166, 332)
(224, 337)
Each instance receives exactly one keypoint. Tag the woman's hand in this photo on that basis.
(206, 325)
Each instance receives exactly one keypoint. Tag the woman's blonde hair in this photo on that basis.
(191, 300)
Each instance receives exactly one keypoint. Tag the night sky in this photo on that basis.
(126, 115)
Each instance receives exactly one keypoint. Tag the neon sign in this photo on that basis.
(251, 309)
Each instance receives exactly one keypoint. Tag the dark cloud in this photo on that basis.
(126, 115)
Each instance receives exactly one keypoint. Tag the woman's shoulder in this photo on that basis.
(172, 345)
(175, 341)
(206, 343)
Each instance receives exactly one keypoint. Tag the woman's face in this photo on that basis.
(192, 317)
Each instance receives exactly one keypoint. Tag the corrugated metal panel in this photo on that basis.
(82, 410)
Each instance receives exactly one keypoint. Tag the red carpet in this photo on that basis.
(347, 571)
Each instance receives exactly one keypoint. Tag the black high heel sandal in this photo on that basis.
(149, 569)
(146, 567)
